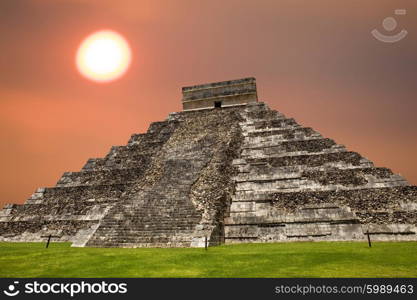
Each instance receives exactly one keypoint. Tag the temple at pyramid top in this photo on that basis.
(219, 94)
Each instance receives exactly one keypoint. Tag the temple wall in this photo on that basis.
(226, 93)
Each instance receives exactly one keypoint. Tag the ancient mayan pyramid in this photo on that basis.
(227, 168)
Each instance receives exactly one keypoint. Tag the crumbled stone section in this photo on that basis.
(295, 185)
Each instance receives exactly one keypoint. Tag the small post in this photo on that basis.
(205, 242)
(369, 239)
(49, 240)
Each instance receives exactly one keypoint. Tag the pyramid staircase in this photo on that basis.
(165, 188)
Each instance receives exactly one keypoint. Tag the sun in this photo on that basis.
(103, 56)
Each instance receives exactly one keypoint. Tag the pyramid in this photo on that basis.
(226, 169)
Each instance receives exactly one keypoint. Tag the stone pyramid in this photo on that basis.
(227, 168)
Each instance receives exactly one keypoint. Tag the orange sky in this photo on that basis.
(315, 61)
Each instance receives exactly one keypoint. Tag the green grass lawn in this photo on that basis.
(320, 259)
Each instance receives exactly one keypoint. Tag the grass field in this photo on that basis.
(320, 259)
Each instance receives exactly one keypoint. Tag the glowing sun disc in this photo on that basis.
(103, 56)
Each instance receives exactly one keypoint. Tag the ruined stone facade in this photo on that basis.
(239, 173)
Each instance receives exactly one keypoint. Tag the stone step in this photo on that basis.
(100, 177)
(144, 245)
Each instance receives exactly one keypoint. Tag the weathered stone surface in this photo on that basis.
(184, 192)
(243, 173)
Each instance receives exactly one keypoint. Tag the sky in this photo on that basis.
(315, 61)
